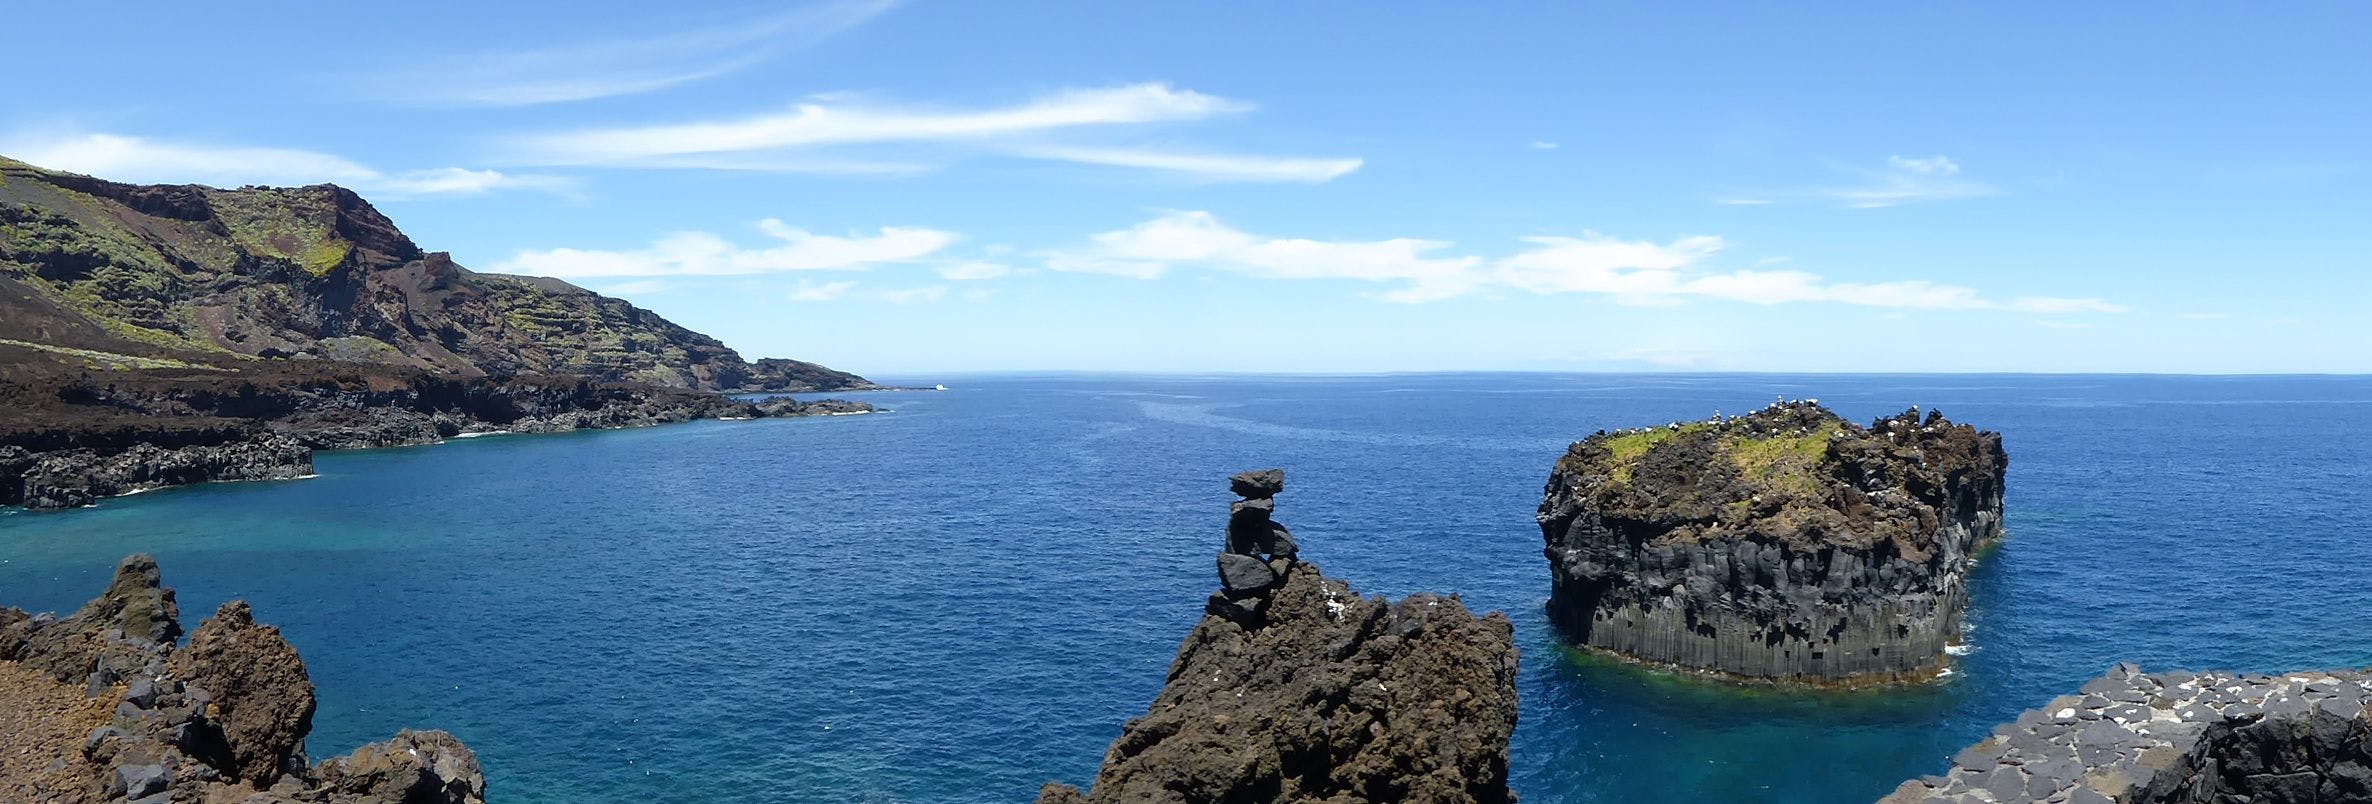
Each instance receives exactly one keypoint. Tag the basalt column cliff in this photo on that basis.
(1785, 545)
(1295, 688)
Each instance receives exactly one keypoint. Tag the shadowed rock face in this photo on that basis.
(223, 719)
(1295, 688)
(2175, 738)
(1785, 545)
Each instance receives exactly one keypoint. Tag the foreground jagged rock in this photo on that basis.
(221, 720)
(2175, 738)
(1785, 545)
(1295, 688)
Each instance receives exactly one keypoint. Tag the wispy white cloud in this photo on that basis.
(1907, 180)
(1901, 180)
(139, 159)
(615, 67)
(1209, 167)
(829, 122)
(1626, 271)
(706, 254)
(821, 291)
(847, 290)
(1543, 145)
(819, 135)
(1177, 239)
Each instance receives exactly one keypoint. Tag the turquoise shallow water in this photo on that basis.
(964, 598)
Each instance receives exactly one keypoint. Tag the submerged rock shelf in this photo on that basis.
(1784, 545)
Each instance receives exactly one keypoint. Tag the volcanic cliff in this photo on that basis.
(102, 274)
(1784, 545)
(103, 706)
(162, 335)
(1295, 688)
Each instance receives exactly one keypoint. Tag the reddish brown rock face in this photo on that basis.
(261, 700)
(1785, 545)
(218, 720)
(1295, 688)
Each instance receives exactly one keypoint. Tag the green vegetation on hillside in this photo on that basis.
(297, 225)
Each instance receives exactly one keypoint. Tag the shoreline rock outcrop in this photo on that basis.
(2175, 738)
(222, 719)
(1293, 687)
(77, 440)
(1787, 545)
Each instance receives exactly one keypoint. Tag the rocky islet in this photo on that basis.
(1786, 545)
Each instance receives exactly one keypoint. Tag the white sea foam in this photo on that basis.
(1959, 650)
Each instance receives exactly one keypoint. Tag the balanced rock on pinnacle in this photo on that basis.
(1295, 688)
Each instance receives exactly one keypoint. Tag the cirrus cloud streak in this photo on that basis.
(1417, 270)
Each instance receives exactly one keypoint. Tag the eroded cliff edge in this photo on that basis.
(103, 705)
(1785, 545)
(1295, 688)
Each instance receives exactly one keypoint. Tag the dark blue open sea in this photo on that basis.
(965, 598)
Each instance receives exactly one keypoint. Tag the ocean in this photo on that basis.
(964, 598)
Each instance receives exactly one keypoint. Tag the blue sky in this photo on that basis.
(914, 187)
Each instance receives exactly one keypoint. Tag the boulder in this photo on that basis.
(1258, 484)
(416, 767)
(262, 699)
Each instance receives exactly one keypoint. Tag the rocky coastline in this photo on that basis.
(104, 705)
(2175, 738)
(1787, 545)
(75, 440)
(1293, 687)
